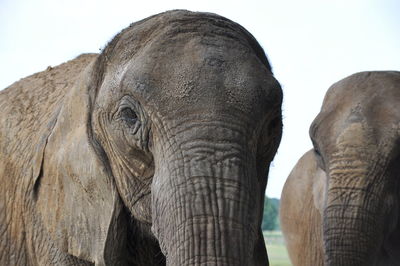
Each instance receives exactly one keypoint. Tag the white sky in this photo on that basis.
(310, 45)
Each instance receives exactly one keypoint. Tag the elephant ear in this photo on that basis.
(76, 197)
(319, 185)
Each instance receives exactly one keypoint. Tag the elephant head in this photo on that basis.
(356, 138)
(166, 138)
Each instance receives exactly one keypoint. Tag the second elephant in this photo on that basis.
(340, 205)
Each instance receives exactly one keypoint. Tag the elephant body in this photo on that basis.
(28, 108)
(340, 204)
(155, 151)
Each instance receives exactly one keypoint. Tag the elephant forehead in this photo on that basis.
(368, 89)
(196, 75)
(366, 101)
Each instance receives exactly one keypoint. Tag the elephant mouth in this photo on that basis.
(140, 197)
(140, 208)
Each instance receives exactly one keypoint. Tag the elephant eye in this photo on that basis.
(317, 152)
(128, 115)
(319, 158)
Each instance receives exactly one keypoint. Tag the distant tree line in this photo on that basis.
(271, 214)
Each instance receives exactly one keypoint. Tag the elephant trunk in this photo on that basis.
(206, 200)
(352, 225)
(351, 236)
(210, 230)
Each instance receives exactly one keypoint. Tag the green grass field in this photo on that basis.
(277, 253)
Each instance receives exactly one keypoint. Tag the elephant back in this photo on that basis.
(27, 108)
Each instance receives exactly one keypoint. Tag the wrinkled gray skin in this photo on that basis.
(154, 152)
(340, 204)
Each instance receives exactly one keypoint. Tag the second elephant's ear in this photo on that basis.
(75, 194)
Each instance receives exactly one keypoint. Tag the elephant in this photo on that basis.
(156, 151)
(340, 203)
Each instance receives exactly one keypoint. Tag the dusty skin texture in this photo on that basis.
(340, 204)
(154, 152)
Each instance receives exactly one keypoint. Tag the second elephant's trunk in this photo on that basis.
(351, 235)
(353, 223)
